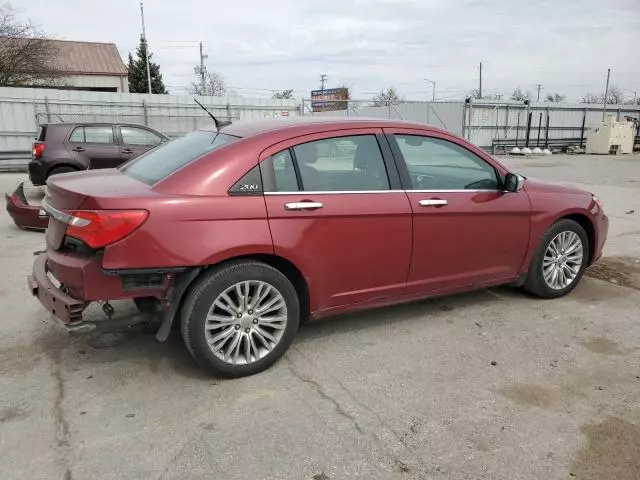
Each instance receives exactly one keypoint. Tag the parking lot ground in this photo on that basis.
(487, 385)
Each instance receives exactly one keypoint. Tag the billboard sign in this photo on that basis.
(329, 99)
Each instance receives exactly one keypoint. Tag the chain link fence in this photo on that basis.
(172, 122)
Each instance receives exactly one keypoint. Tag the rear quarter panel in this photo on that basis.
(193, 230)
(193, 220)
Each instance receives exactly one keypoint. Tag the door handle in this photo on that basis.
(433, 202)
(78, 149)
(127, 150)
(303, 205)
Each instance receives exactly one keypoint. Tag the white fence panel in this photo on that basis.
(23, 110)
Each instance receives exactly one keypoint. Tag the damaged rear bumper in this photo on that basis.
(23, 214)
(57, 302)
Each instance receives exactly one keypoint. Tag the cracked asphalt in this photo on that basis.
(493, 384)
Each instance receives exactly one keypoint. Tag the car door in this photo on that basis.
(135, 141)
(94, 147)
(336, 210)
(466, 229)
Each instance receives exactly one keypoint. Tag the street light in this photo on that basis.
(434, 88)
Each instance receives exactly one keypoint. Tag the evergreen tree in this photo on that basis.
(138, 72)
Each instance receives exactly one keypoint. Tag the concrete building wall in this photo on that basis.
(98, 81)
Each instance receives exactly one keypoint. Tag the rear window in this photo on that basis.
(43, 133)
(159, 163)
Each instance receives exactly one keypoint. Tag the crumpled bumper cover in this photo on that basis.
(61, 305)
(23, 214)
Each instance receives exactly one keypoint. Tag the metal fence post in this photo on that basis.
(146, 114)
(46, 107)
(546, 135)
(464, 119)
(618, 115)
(584, 119)
(539, 128)
(229, 111)
(506, 121)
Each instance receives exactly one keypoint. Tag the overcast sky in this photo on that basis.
(257, 45)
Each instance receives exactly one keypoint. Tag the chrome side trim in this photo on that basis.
(452, 191)
(304, 192)
(350, 192)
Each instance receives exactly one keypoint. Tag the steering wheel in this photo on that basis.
(421, 181)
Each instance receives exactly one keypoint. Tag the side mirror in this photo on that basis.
(513, 182)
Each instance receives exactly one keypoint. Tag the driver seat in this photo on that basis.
(369, 165)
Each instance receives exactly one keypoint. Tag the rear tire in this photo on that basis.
(240, 318)
(563, 250)
(58, 170)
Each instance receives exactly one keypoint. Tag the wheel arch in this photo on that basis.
(283, 265)
(585, 222)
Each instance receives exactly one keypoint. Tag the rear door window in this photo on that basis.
(342, 164)
(159, 163)
(139, 137)
(92, 134)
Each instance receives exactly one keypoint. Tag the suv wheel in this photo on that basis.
(560, 260)
(240, 318)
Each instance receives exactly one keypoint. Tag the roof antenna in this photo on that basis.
(217, 122)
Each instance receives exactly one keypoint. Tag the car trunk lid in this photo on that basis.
(83, 190)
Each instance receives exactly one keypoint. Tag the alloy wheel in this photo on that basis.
(245, 322)
(562, 260)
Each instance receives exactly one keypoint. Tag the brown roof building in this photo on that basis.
(91, 66)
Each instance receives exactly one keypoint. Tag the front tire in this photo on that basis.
(240, 318)
(560, 260)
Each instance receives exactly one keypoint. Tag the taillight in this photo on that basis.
(36, 151)
(98, 228)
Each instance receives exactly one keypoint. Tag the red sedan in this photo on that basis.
(243, 233)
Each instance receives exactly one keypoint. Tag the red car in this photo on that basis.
(243, 233)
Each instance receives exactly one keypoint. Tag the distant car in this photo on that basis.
(70, 147)
(241, 234)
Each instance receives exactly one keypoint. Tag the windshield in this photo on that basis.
(160, 162)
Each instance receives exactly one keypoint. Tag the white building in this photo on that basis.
(91, 66)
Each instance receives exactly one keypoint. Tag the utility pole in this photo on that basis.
(539, 85)
(144, 35)
(202, 70)
(480, 89)
(606, 94)
(323, 78)
(433, 96)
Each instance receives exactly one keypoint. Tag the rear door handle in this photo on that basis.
(303, 205)
(433, 202)
(78, 149)
(127, 150)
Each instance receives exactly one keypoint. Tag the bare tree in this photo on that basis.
(591, 98)
(556, 98)
(615, 95)
(214, 86)
(519, 95)
(386, 98)
(283, 94)
(475, 94)
(27, 57)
